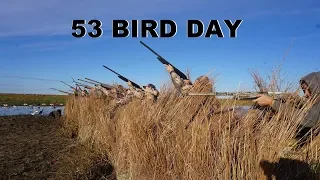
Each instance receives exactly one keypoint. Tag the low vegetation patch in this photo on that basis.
(31, 99)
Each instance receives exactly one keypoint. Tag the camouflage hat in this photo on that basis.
(150, 85)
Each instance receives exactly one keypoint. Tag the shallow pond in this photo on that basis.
(24, 110)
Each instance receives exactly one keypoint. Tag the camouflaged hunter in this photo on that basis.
(311, 88)
(134, 91)
(182, 85)
(151, 92)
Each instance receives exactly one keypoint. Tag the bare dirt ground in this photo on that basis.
(34, 147)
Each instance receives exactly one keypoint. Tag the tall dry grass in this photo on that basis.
(183, 138)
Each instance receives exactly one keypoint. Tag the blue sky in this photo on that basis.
(36, 41)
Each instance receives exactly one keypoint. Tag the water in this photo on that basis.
(245, 108)
(224, 97)
(27, 110)
(242, 110)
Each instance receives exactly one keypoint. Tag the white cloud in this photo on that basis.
(39, 17)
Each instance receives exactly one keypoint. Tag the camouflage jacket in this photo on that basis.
(105, 91)
(312, 117)
(151, 94)
(179, 84)
(135, 92)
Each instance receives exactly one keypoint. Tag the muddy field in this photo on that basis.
(35, 147)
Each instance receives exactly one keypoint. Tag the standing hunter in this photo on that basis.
(182, 85)
(310, 85)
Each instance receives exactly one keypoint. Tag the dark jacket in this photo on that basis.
(312, 117)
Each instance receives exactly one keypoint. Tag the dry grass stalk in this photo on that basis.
(150, 141)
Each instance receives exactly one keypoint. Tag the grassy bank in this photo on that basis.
(31, 99)
(171, 139)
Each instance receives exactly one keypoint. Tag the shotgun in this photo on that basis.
(123, 78)
(164, 61)
(61, 91)
(102, 84)
(88, 82)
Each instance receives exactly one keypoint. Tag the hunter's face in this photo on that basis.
(305, 89)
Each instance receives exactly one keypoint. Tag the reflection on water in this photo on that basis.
(245, 108)
(225, 97)
(27, 110)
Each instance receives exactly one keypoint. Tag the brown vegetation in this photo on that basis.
(183, 138)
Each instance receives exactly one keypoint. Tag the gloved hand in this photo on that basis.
(263, 100)
(187, 82)
(147, 89)
(169, 68)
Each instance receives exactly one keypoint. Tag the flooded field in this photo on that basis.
(35, 110)
(28, 110)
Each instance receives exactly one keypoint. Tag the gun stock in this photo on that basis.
(164, 61)
(123, 78)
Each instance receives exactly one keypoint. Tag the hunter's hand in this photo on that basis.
(169, 68)
(147, 89)
(263, 100)
(129, 83)
(187, 82)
